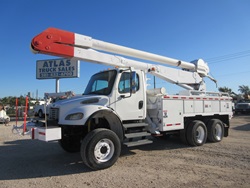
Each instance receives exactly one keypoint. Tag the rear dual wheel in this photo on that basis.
(196, 133)
(215, 130)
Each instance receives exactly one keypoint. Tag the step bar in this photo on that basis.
(138, 143)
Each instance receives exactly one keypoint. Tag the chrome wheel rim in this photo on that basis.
(104, 150)
(218, 131)
(200, 134)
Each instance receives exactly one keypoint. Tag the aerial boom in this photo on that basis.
(67, 44)
(118, 49)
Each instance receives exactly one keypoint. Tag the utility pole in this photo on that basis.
(154, 83)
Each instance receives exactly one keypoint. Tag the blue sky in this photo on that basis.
(217, 31)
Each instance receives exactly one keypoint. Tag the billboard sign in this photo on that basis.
(57, 68)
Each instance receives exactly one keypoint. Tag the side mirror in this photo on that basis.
(133, 82)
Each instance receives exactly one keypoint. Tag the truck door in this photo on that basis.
(128, 105)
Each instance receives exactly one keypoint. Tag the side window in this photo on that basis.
(124, 83)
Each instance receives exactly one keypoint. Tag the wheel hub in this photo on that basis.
(104, 150)
(200, 134)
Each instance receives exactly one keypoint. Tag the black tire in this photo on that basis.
(196, 133)
(70, 144)
(100, 149)
(215, 130)
(40, 114)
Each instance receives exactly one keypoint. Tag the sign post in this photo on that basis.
(56, 69)
(57, 85)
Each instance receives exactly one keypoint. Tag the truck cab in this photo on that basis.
(110, 90)
(243, 106)
(117, 85)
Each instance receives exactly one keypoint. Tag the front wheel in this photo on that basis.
(100, 149)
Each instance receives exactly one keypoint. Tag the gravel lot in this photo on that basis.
(28, 163)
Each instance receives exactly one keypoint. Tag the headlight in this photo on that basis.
(75, 116)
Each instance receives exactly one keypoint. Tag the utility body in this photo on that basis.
(117, 108)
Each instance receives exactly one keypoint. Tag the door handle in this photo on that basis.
(140, 106)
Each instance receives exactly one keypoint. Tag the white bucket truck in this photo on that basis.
(117, 108)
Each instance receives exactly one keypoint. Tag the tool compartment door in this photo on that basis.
(172, 114)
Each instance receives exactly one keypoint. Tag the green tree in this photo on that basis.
(225, 89)
(10, 100)
(245, 90)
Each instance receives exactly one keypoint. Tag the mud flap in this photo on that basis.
(226, 130)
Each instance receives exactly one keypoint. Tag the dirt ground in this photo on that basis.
(28, 163)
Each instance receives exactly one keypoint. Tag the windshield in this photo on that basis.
(101, 83)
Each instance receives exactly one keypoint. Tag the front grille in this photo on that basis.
(54, 113)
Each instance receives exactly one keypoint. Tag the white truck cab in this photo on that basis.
(107, 90)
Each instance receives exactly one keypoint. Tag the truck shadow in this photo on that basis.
(245, 127)
(23, 159)
(171, 143)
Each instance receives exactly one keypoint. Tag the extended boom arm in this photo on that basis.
(72, 45)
